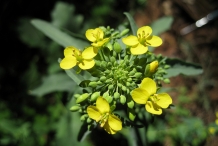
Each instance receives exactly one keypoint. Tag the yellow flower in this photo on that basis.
(212, 130)
(73, 57)
(143, 39)
(101, 113)
(96, 36)
(146, 94)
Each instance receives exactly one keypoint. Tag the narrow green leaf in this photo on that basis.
(74, 76)
(132, 23)
(52, 83)
(181, 67)
(161, 25)
(58, 36)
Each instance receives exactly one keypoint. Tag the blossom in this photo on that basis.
(146, 94)
(143, 39)
(96, 36)
(101, 113)
(73, 57)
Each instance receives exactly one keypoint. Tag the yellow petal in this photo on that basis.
(93, 113)
(99, 32)
(68, 62)
(89, 53)
(109, 129)
(149, 85)
(102, 105)
(154, 41)
(130, 40)
(90, 35)
(139, 49)
(100, 43)
(144, 31)
(152, 108)
(114, 122)
(164, 100)
(69, 51)
(87, 64)
(140, 96)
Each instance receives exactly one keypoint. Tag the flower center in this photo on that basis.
(97, 36)
(142, 37)
(103, 119)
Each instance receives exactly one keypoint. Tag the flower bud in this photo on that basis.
(109, 46)
(75, 108)
(166, 66)
(113, 59)
(103, 64)
(138, 74)
(130, 103)
(131, 114)
(115, 33)
(103, 78)
(94, 96)
(122, 99)
(110, 87)
(109, 99)
(76, 95)
(167, 81)
(123, 88)
(117, 47)
(82, 98)
(132, 72)
(124, 32)
(88, 120)
(83, 117)
(93, 84)
(153, 67)
(116, 95)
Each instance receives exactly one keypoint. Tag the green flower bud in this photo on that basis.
(167, 81)
(117, 47)
(166, 66)
(75, 108)
(131, 114)
(123, 88)
(115, 33)
(116, 95)
(114, 54)
(97, 63)
(76, 95)
(129, 79)
(103, 78)
(110, 87)
(119, 85)
(108, 81)
(107, 71)
(83, 117)
(124, 32)
(122, 99)
(138, 74)
(128, 84)
(88, 120)
(103, 64)
(113, 59)
(132, 72)
(109, 99)
(94, 96)
(82, 98)
(93, 84)
(130, 103)
(109, 46)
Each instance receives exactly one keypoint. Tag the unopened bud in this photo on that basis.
(116, 95)
(109, 46)
(76, 95)
(130, 103)
(117, 47)
(82, 98)
(113, 59)
(94, 96)
(167, 81)
(103, 78)
(75, 108)
(124, 32)
(93, 84)
(122, 99)
(138, 74)
(83, 117)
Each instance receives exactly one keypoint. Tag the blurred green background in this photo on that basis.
(35, 94)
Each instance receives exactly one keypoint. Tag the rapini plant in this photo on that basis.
(126, 77)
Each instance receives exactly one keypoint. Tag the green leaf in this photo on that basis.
(161, 25)
(52, 83)
(74, 76)
(181, 67)
(132, 23)
(58, 36)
